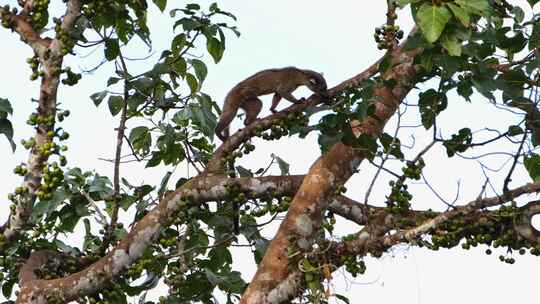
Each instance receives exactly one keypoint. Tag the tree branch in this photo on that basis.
(334, 168)
(116, 176)
(373, 238)
(51, 58)
(145, 232)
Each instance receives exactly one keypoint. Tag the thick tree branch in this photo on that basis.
(146, 231)
(50, 57)
(374, 238)
(304, 218)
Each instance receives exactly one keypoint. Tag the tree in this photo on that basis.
(184, 235)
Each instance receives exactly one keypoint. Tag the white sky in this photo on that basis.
(334, 38)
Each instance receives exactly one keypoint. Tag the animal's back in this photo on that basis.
(263, 82)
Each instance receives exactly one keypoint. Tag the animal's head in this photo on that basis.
(316, 82)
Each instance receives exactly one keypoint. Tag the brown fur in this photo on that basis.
(281, 82)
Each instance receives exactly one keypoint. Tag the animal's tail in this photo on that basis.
(222, 128)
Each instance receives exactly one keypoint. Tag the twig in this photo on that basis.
(508, 178)
(102, 218)
(116, 178)
(385, 158)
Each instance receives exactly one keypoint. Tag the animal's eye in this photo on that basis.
(313, 80)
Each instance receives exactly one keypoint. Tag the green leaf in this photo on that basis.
(98, 97)
(140, 139)
(7, 288)
(479, 7)
(161, 4)
(68, 219)
(155, 160)
(512, 44)
(403, 3)
(431, 104)
(100, 185)
(342, 298)
(187, 24)
(459, 142)
(432, 20)
(193, 6)
(201, 116)
(115, 104)
(112, 49)
(514, 130)
(391, 145)
(179, 66)
(534, 40)
(532, 164)
(159, 69)
(164, 182)
(233, 283)
(460, 13)
(5, 106)
(6, 128)
(512, 83)
(113, 80)
(200, 69)
(215, 48)
(219, 257)
(464, 89)
(451, 43)
(178, 43)
(46, 207)
(192, 83)
(519, 14)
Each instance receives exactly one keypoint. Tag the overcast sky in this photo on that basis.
(334, 38)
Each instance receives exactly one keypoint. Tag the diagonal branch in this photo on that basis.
(147, 230)
(303, 221)
(120, 134)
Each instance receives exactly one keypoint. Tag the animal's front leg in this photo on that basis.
(275, 101)
(290, 97)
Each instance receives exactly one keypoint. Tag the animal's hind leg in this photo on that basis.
(252, 107)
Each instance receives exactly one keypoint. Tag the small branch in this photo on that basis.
(367, 239)
(116, 178)
(469, 208)
(102, 218)
(508, 178)
(385, 158)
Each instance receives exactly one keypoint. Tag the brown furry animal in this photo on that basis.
(281, 82)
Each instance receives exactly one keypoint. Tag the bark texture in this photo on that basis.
(303, 221)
